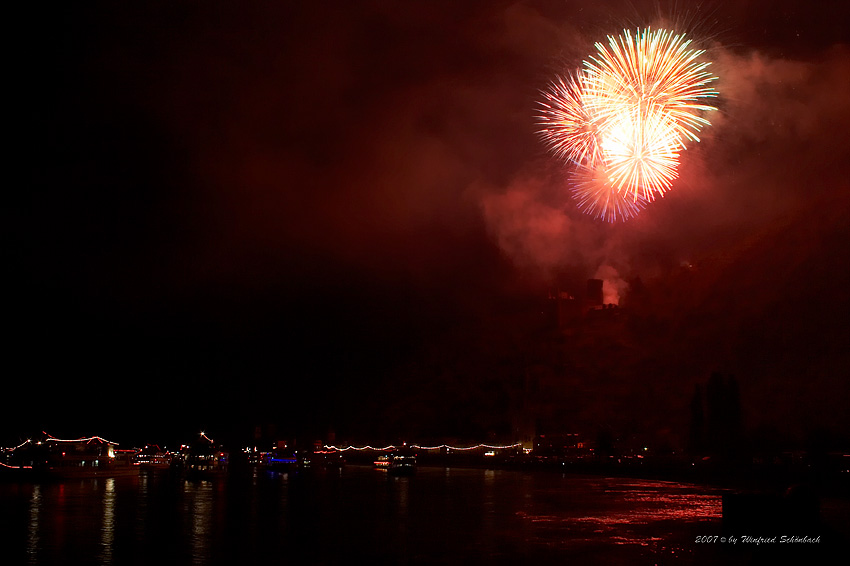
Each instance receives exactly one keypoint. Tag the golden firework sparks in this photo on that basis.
(626, 115)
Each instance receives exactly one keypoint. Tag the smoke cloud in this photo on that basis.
(613, 286)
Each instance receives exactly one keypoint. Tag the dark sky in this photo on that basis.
(339, 214)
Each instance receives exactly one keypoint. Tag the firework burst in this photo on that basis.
(656, 68)
(641, 152)
(624, 117)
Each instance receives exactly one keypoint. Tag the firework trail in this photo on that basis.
(624, 117)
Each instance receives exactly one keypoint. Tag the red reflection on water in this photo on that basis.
(644, 514)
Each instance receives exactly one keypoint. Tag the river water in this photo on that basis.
(360, 515)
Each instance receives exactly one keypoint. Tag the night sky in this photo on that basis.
(320, 216)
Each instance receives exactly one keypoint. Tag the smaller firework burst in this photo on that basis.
(568, 128)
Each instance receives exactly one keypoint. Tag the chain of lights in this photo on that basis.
(15, 467)
(12, 449)
(52, 438)
(83, 439)
(420, 447)
(327, 446)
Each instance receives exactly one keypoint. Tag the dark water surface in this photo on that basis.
(360, 515)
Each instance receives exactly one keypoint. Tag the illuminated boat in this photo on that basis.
(204, 459)
(314, 460)
(51, 457)
(281, 462)
(152, 457)
(398, 462)
(330, 459)
(383, 462)
(284, 461)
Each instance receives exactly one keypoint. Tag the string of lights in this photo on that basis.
(326, 446)
(15, 467)
(81, 439)
(477, 446)
(420, 447)
(52, 438)
(13, 448)
(358, 448)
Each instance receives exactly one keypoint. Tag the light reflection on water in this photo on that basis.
(199, 508)
(107, 529)
(142, 507)
(436, 516)
(641, 514)
(32, 530)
